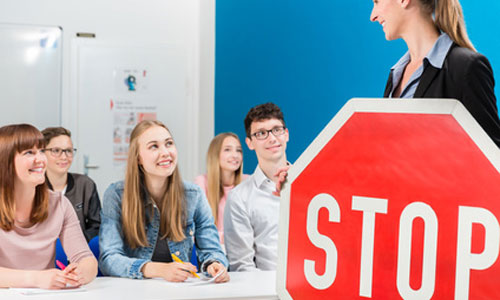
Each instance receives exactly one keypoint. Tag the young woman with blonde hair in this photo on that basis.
(154, 214)
(441, 61)
(224, 172)
(32, 218)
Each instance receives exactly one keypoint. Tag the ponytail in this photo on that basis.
(450, 20)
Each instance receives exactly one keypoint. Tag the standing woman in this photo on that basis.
(441, 62)
(224, 172)
(32, 218)
(154, 214)
(78, 188)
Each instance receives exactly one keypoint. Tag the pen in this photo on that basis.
(60, 265)
(180, 261)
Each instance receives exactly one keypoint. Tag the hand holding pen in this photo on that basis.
(54, 279)
(72, 272)
(174, 271)
(180, 261)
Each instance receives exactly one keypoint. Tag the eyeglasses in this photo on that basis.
(263, 134)
(56, 152)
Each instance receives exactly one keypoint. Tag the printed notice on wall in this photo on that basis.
(127, 114)
(130, 81)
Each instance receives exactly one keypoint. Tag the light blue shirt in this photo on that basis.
(251, 224)
(435, 57)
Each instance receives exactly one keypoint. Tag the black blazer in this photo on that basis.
(466, 76)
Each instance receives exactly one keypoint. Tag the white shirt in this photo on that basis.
(251, 224)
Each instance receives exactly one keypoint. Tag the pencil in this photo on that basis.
(180, 261)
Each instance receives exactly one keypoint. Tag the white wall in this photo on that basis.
(186, 22)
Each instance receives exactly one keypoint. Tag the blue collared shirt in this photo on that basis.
(435, 57)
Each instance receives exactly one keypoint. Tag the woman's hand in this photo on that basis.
(55, 279)
(175, 272)
(73, 270)
(214, 269)
(85, 270)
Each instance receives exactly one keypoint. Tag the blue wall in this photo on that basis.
(310, 57)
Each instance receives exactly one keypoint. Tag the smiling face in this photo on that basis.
(389, 13)
(157, 153)
(231, 155)
(59, 164)
(30, 167)
(271, 149)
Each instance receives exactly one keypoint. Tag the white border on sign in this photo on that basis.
(380, 105)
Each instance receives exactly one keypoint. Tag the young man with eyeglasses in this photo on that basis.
(252, 208)
(78, 188)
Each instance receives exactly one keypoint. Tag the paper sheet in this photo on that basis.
(195, 281)
(36, 291)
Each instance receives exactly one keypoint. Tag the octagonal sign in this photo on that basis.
(395, 199)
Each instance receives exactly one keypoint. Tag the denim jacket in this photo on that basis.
(118, 259)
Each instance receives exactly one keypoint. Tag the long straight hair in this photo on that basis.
(449, 18)
(13, 140)
(215, 189)
(171, 206)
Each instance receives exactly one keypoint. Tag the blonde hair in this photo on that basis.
(13, 140)
(171, 206)
(449, 19)
(215, 189)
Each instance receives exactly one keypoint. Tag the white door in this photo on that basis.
(117, 86)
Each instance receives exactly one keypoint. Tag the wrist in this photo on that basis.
(31, 279)
(88, 268)
(150, 270)
(206, 264)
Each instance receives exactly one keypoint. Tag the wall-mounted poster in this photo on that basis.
(127, 114)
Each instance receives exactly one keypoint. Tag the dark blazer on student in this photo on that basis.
(466, 76)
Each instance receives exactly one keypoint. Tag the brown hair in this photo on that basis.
(13, 140)
(172, 211)
(449, 18)
(262, 112)
(215, 190)
(52, 132)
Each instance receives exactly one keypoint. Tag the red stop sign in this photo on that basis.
(394, 199)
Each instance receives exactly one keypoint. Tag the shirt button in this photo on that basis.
(177, 253)
(190, 232)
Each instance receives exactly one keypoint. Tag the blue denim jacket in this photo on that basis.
(118, 259)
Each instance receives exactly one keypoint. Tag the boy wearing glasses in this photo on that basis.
(79, 189)
(252, 208)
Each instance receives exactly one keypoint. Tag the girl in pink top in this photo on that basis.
(224, 172)
(32, 218)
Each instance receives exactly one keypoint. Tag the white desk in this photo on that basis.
(243, 285)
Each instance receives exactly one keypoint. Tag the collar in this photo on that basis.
(435, 56)
(402, 62)
(70, 182)
(145, 195)
(439, 51)
(259, 176)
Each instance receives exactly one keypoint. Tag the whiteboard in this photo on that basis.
(30, 77)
